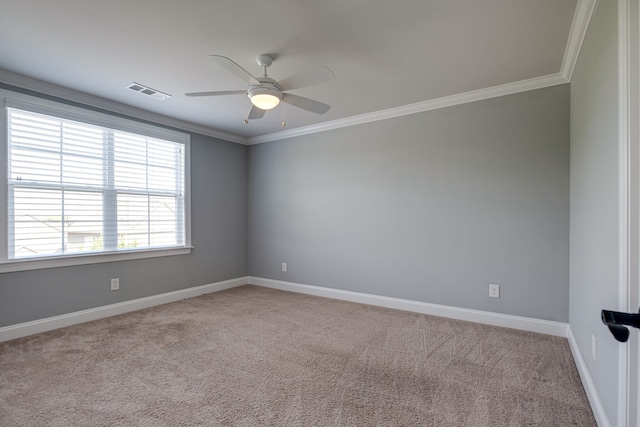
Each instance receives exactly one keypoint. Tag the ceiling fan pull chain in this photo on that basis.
(283, 122)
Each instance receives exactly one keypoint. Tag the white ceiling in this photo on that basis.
(385, 54)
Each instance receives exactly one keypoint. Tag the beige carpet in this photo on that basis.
(253, 356)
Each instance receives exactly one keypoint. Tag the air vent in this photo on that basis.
(148, 91)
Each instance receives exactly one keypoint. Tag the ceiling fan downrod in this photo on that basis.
(265, 62)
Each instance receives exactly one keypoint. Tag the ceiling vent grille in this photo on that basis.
(148, 91)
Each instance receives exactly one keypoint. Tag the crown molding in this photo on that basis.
(45, 88)
(433, 104)
(581, 20)
(50, 89)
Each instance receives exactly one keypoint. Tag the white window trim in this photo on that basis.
(38, 105)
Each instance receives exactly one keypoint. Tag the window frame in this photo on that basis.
(16, 100)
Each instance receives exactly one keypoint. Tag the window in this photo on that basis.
(92, 185)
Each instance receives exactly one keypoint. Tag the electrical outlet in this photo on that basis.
(115, 284)
(284, 266)
(593, 346)
(494, 291)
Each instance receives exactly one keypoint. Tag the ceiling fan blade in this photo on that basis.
(306, 78)
(234, 69)
(305, 103)
(220, 92)
(255, 113)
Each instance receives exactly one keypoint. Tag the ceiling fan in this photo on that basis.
(265, 93)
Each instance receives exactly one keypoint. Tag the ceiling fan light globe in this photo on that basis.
(265, 96)
(265, 101)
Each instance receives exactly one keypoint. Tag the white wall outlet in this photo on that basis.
(494, 291)
(593, 346)
(115, 284)
(284, 266)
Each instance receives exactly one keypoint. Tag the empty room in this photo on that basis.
(337, 213)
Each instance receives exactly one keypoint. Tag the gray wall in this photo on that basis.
(594, 200)
(219, 234)
(429, 207)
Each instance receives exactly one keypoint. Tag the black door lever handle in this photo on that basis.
(617, 323)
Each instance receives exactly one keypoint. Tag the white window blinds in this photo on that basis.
(77, 188)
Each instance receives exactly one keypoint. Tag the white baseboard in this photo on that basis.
(587, 382)
(515, 322)
(43, 325)
(508, 321)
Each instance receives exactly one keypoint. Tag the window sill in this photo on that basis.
(71, 260)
